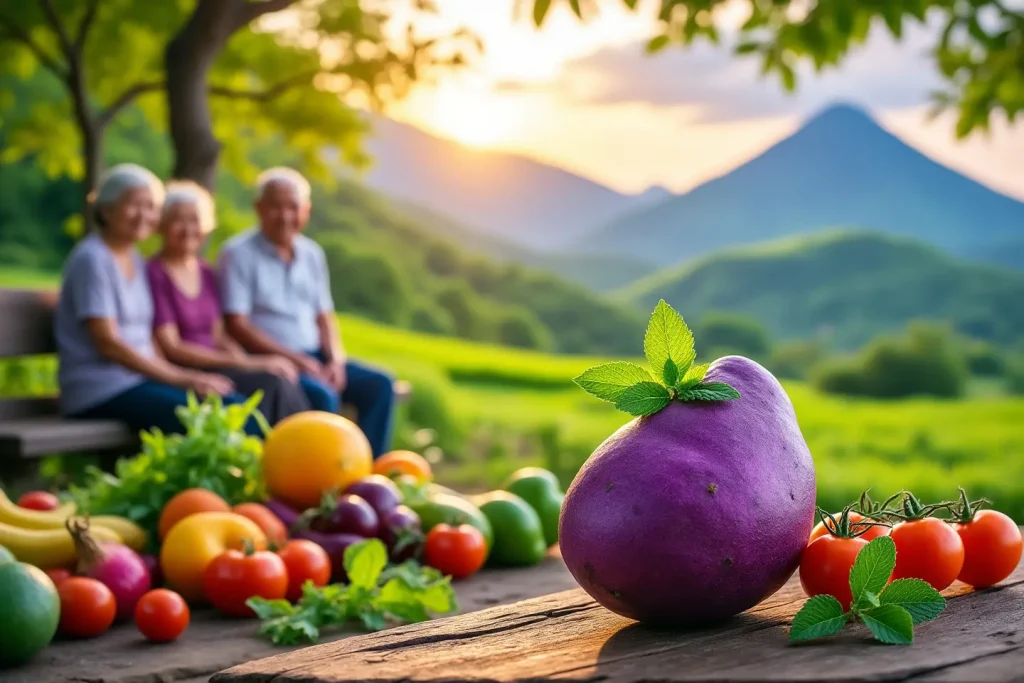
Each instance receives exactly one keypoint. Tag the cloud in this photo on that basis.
(881, 75)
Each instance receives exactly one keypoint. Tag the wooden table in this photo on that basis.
(979, 637)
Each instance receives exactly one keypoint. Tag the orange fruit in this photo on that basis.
(403, 462)
(189, 502)
(274, 528)
(311, 453)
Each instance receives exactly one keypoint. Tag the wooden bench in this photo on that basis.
(568, 636)
(32, 427)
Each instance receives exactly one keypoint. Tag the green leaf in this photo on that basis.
(364, 561)
(540, 10)
(820, 616)
(873, 567)
(890, 624)
(747, 48)
(693, 377)
(645, 398)
(668, 338)
(866, 600)
(918, 597)
(709, 391)
(671, 373)
(609, 381)
(657, 44)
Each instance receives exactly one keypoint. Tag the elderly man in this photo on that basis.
(277, 300)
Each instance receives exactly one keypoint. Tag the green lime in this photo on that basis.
(533, 473)
(445, 508)
(545, 500)
(30, 609)
(518, 533)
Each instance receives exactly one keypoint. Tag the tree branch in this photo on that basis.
(253, 9)
(58, 26)
(83, 28)
(125, 98)
(20, 34)
(267, 94)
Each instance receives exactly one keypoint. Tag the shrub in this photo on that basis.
(984, 359)
(468, 315)
(518, 327)
(742, 335)
(368, 283)
(796, 360)
(1015, 377)
(431, 318)
(840, 376)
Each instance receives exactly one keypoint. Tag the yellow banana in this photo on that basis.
(47, 548)
(131, 533)
(15, 515)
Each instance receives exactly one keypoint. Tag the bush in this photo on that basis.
(466, 310)
(368, 283)
(743, 335)
(840, 376)
(984, 359)
(1015, 377)
(518, 327)
(796, 360)
(430, 318)
(429, 408)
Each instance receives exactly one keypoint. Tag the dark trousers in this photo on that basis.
(372, 393)
(280, 399)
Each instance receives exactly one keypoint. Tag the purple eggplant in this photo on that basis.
(380, 492)
(402, 533)
(347, 515)
(156, 575)
(288, 515)
(335, 545)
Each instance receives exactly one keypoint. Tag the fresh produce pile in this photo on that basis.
(704, 505)
(303, 530)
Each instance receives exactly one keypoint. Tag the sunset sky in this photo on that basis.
(586, 98)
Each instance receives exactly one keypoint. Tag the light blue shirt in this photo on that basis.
(94, 287)
(282, 299)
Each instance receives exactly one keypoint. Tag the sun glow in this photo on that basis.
(476, 119)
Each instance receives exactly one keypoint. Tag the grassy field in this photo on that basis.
(481, 411)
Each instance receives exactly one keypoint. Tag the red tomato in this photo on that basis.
(87, 607)
(825, 567)
(457, 551)
(305, 561)
(992, 548)
(871, 533)
(161, 615)
(58, 575)
(39, 500)
(234, 577)
(928, 549)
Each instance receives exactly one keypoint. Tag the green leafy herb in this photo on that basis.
(214, 453)
(889, 611)
(669, 347)
(375, 597)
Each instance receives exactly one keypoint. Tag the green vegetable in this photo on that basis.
(889, 611)
(668, 345)
(30, 609)
(374, 596)
(214, 453)
(444, 508)
(518, 533)
(540, 489)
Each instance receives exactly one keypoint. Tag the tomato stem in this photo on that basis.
(842, 528)
(914, 509)
(965, 511)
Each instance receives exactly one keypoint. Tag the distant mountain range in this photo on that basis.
(840, 169)
(847, 286)
(495, 194)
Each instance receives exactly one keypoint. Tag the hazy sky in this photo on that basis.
(586, 97)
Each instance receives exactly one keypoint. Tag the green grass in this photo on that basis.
(15, 277)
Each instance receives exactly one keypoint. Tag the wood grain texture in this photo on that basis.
(567, 636)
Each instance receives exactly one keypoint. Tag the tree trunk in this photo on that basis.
(92, 137)
(188, 59)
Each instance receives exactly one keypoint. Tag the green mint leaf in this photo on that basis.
(890, 624)
(867, 600)
(709, 391)
(270, 609)
(373, 620)
(668, 339)
(916, 596)
(364, 561)
(671, 373)
(693, 377)
(873, 567)
(645, 398)
(820, 616)
(609, 381)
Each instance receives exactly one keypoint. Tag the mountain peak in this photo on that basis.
(842, 114)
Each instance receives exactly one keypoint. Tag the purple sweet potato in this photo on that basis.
(697, 512)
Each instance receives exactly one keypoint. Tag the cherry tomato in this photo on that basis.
(928, 549)
(39, 500)
(457, 551)
(161, 615)
(233, 577)
(992, 548)
(58, 575)
(871, 533)
(305, 561)
(825, 567)
(87, 607)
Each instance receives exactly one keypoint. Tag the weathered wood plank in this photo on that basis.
(568, 636)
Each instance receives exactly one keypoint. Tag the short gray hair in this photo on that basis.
(288, 177)
(119, 180)
(188, 192)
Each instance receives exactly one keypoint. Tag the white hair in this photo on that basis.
(282, 175)
(119, 180)
(188, 192)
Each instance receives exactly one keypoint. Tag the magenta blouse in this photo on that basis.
(194, 317)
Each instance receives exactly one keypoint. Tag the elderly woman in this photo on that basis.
(109, 366)
(187, 318)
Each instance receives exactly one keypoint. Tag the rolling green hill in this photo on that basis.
(847, 286)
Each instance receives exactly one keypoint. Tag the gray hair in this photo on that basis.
(118, 181)
(188, 192)
(282, 175)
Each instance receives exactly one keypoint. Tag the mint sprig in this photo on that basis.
(668, 345)
(889, 610)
